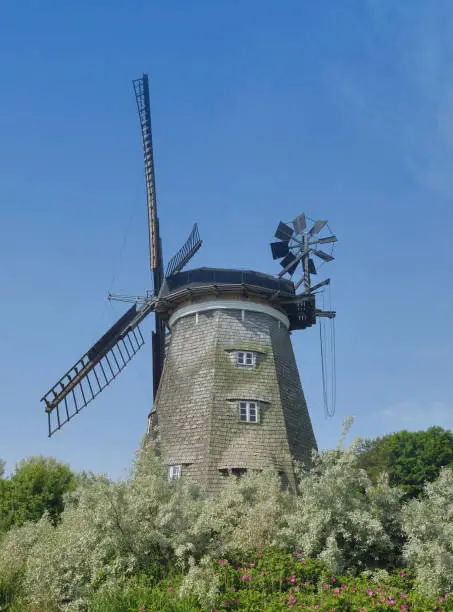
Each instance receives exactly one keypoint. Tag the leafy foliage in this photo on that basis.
(38, 485)
(410, 458)
(428, 525)
(271, 580)
(340, 517)
(147, 543)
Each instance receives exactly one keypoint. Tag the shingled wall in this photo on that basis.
(196, 407)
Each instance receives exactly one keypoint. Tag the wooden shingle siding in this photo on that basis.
(197, 403)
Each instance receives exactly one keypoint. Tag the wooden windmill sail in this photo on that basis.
(227, 392)
(104, 360)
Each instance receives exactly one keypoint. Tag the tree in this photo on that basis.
(37, 485)
(409, 458)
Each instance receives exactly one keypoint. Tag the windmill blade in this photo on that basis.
(292, 262)
(323, 255)
(300, 223)
(311, 266)
(97, 368)
(283, 232)
(279, 249)
(326, 240)
(289, 264)
(317, 227)
(141, 89)
(185, 253)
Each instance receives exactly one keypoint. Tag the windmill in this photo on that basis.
(227, 392)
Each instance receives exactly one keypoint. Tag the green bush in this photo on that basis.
(124, 545)
(268, 581)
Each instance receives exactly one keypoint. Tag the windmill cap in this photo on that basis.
(225, 276)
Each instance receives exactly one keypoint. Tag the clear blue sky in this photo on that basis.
(261, 109)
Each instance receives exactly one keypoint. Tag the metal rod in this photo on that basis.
(103, 371)
(111, 369)
(66, 407)
(305, 264)
(75, 400)
(122, 357)
(83, 394)
(116, 361)
(125, 348)
(97, 380)
(91, 388)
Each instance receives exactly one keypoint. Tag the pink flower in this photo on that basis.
(325, 587)
(222, 561)
(401, 574)
(391, 602)
(362, 609)
(369, 592)
(246, 577)
(440, 600)
(233, 590)
(142, 608)
(262, 572)
(315, 607)
(239, 569)
(260, 555)
(333, 578)
(354, 588)
(291, 599)
(343, 586)
(403, 607)
(171, 589)
(378, 590)
(293, 579)
(282, 580)
(252, 565)
(403, 595)
(297, 554)
(336, 591)
(303, 561)
(446, 596)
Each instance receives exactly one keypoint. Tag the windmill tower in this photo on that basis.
(227, 393)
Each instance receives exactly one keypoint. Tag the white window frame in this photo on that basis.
(245, 359)
(173, 472)
(248, 411)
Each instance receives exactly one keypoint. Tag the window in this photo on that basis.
(246, 358)
(248, 412)
(174, 472)
(237, 472)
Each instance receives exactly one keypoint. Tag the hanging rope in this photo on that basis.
(329, 383)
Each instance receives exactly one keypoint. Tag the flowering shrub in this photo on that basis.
(271, 581)
(342, 518)
(248, 514)
(122, 543)
(428, 525)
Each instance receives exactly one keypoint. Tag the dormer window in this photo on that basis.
(245, 359)
(248, 412)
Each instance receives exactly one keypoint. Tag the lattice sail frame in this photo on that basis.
(97, 368)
